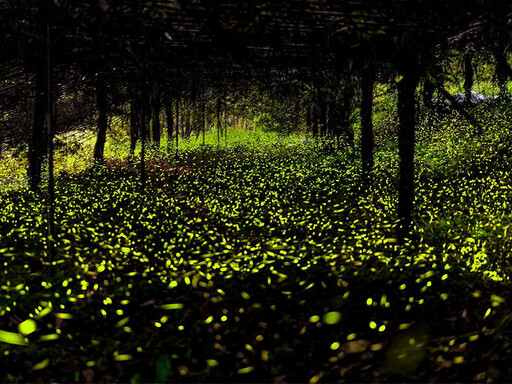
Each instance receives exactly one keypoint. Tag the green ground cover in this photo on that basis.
(263, 260)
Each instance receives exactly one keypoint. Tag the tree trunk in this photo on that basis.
(428, 93)
(315, 119)
(219, 126)
(429, 86)
(155, 114)
(177, 131)
(322, 114)
(134, 120)
(225, 121)
(143, 147)
(170, 120)
(101, 101)
(503, 72)
(406, 137)
(309, 120)
(134, 127)
(203, 120)
(333, 124)
(50, 125)
(468, 77)
(346, 109)
(36, 145)
(367, 143)
(188, 122)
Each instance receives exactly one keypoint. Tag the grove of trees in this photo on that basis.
(178, 69)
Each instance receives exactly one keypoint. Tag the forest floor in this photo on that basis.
(266, 265)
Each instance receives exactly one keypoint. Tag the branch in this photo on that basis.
(456, 105)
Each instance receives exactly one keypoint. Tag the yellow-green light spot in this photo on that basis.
(12, 338)
(332, 318)
(245, 370)
(27, 327)
(212, 363)
(50, 337)
(172, 306)
(122, 357)
(41, 365)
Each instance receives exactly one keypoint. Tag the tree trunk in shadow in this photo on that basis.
(155, 114)
(36, 144)
(367, 141)
(170, 120)
(101, 101)
(134, 121)
(468, 77)
(348, 96)
(322, 120)
(406, 139)
(503, 73)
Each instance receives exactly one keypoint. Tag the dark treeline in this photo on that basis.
(178, 68)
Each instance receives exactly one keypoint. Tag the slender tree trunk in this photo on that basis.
(367, 143)
(170, 120)
(428, 93)
(503, 73)
(225, 103)
(309, 119)
(323, 114)
(203, 123)
(468, 77)
(134, 121)
(332, 121)
(188, 125)
(155, 114)
(143, 148)
(51, 240)
(36, 145)
(346, 109)
(406, 138)
(203, 119)
(134, 125)
(429, 86)
(219, 126)
(177, 131)
(101, 101)
(315, 120)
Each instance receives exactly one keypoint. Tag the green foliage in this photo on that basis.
(243, 260)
